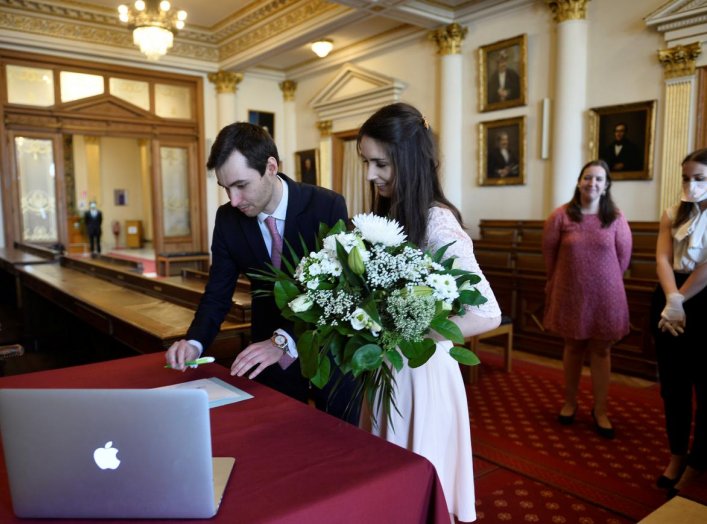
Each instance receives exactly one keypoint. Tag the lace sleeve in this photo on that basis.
(443, 228)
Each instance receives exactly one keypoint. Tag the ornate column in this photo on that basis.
(679, 123)
(449, 42)
(325, 153)
(226, 84)
(287, 152)
(570, 96)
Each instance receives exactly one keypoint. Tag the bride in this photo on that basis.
(400, 159)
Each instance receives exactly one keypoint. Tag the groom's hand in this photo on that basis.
(261, 354)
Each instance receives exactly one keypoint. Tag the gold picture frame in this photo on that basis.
(502, 152)
(307, 166)
(502, 74)
(633, 127)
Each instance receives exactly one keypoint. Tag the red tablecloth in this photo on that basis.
(294, 464)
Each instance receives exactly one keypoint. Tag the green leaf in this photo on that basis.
(472, 297)
(367, 357)
(335, 344)
(321, 378)
(437, 256)
(418, 352)
(285, 291)
(447, 329)
(369, 306)
(311, 315)
(308, 350)
(464, 356)
(394, 358)
(463, 276)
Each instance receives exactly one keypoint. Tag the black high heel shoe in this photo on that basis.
(607, 433)
(567, 420)
(664, 482)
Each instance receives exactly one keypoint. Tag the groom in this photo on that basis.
(245, 239)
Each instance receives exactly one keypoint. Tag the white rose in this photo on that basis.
(301, 303)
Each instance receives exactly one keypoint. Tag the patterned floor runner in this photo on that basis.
(514, 426)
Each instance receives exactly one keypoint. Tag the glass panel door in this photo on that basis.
(37, 189)
(175, 191)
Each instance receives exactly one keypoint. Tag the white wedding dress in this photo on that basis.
(433, 418)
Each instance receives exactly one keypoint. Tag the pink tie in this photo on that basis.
(276, 246)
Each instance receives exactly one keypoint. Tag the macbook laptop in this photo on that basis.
(111, 453)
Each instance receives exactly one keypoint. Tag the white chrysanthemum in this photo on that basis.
(379, 230)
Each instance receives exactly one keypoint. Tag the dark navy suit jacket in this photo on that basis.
(238, 247)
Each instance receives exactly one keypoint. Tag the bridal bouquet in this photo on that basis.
(369, 299)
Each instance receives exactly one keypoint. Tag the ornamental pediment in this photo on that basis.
(679, 13)
(105, 105)
(355, 90)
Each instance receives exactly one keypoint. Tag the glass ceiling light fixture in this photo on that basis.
(153, 24)
(322, 47)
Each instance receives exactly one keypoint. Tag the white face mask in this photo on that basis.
(694, 191)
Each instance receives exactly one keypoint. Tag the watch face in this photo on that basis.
(280, 340)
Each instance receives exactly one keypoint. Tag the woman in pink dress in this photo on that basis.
(432, 419)
(587, 248)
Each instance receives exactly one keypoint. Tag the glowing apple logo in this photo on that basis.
(105, 457)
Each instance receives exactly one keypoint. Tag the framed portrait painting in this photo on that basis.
(502, 152)
(502, 74)
(264, 119)
(120, 197)
(623, 137)
(307, 166)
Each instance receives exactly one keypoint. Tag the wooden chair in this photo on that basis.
(505, 328)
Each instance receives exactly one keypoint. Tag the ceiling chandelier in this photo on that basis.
(153, 24)
(322, 47)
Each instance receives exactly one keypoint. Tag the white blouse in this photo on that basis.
(689, 240)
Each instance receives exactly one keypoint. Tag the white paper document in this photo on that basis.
(220, 393)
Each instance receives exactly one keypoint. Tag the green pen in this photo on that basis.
(194, 363)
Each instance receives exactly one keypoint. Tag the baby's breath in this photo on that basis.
(410, 314)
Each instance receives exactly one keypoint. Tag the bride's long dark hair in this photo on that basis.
(410, 145)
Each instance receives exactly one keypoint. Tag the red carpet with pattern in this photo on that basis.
(503, 495)
(514, 426)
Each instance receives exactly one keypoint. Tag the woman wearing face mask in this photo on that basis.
(678, 324)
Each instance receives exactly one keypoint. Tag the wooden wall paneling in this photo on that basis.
(523, 285)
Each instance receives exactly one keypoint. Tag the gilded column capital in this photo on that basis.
(679, 60)
(225, 81)
(288, 88)
(564, 10)
(324, 127)
(449, 39)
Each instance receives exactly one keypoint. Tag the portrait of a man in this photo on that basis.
(501, 153)
(502, 74)
(502, 160)
(623, 139)
(504, 81)
(306, 166)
